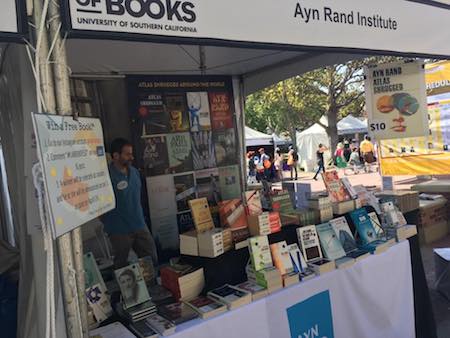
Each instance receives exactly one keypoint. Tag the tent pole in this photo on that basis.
(73, 241)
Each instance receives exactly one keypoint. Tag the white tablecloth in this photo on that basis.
(371, 299)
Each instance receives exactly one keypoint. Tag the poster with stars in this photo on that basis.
(74, 170)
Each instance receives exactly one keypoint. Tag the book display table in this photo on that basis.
(373, 298)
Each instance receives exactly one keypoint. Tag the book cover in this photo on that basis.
(154, 117)
(229, 294)
(203, 151)
(184, 190)
(185, 222)
(155, 156)
(92, 275)
(160, 325)
(176, 107)
(201, 214)
(376, 224)
(260, 252)
(199, 114)
(206, 306)
(298, 262)
(177, 313)
(351, 190)
(281, 258)
(309, 243)
(115, 329)
(180, 152)
(254, 206)
(329, 242)
(225, 147)
(98, 301)
(336, 189)
(282, 203)
(132, 285)
(274, 222)
(208, 185)
(344, 234)
(221, 110)
(143, 330)
(147, 269)
(229, 182)
(363, 225)
(232, 214)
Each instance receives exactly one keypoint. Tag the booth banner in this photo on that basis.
(12, 20)
(371, 299)
(386, 25)
(75, 172)
(396, 100)
(428, 155)
(185, 138)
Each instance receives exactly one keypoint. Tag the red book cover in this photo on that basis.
(232, 214)
(336, 189)
(274, 221)
(169, 279)
(221, 111)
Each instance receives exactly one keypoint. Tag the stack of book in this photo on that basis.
(142, 330)
(210, 243)
(307, 216)
(260, 253)
(177, 313)
(240, 238)
(299, 264)
(256, 290)
(269, 278)
(282, 261)
(405, 200)
(310, 247)
(231, 296)
(161, 325)
(282, 203)
(206, 307)
(184, 283)
(189, 243)
(227, 240)
(322, 207)
(259, 225)
(138, 312)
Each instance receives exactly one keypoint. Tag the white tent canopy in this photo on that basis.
(309, 139)
(256, 138)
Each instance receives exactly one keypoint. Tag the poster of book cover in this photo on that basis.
(151, 112)
(199, 115)
(180, 152)
(229, 182)
(155, 157)
(221, 111)
(203, 151)
(185, 222)
(184, 190)
(177, 111)
(225, 147)
(207, 185)
(163, 210)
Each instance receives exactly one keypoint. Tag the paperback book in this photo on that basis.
(177, 313)
(281, 258)
(132, 285)
(256, 290)
(175, 104)
(147, 269)
(363, 225)
(260, 252)
(185, 222)
(329, 242)
(92, 275)
(309, 243)
(343, 232)
(199, 114)
(231, 296)
(232, 214)
(254, 206)
(142, 330)
(184, 190)
(221, 110)
(230, 187)
(206, 307)
(161, 325)
(98, 301)
(201, 214)
(336, 189)
(208, 185)
(299, 264)
(155, 156)
(203, 151)
(225, 147)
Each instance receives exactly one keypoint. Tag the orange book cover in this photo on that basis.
(232, 214)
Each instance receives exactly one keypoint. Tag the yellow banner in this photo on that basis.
(424, 155)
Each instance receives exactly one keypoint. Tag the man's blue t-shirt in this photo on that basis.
(128, 215)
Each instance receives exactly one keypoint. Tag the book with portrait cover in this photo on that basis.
(208, 185)
(180, 152)
(184, 190)
(176, 107)
(152, 113)
(336, 189)
(199, 113)
(221, 110)
(155, 156)
(203, 151)
(229, 181)
(132, 285)
(225, 147)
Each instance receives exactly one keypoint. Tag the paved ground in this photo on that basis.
(441, 306)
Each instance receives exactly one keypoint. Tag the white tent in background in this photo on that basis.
(257, 138)
(308, 140)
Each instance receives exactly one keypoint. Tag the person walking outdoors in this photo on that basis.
(367, 151)
(278, 162)
(339, 156)
(320, 160)
(292, 162)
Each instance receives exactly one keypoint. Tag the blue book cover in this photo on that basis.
(331, 246)
(363, 225)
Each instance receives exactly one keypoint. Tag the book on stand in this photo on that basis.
(132, 285)
(201, 214)
(348, 242)
(260, 252)
(332, 247)
(281, 258)
(206, 307)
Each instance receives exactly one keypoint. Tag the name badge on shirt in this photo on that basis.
(122, 185)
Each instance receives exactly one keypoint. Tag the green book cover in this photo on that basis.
(180, 152)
